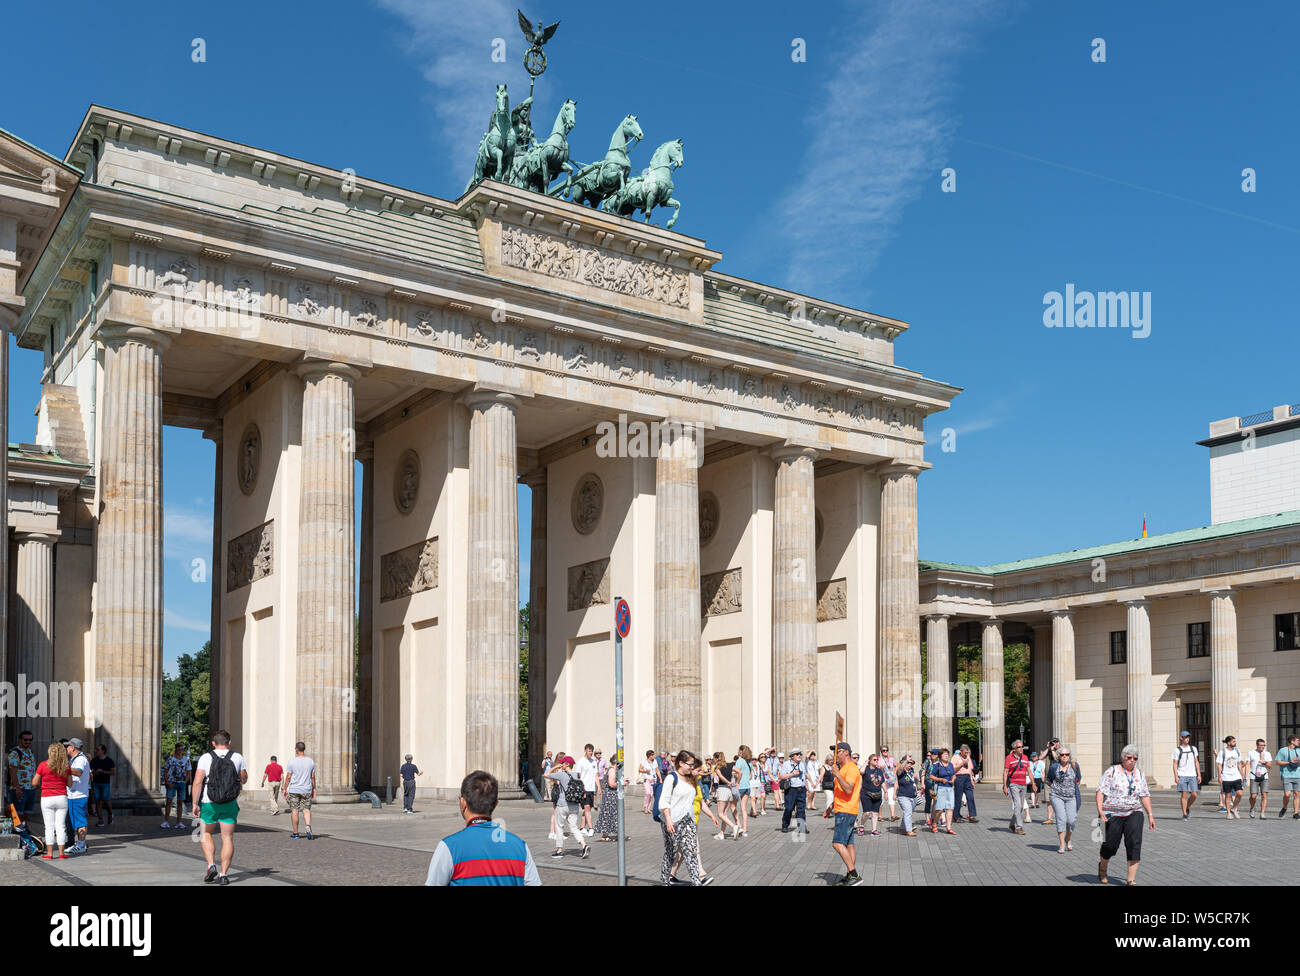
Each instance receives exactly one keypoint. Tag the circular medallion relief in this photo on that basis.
(588, 502)
(250, 458)
(821, 528)
(406, 482)
(709, 516)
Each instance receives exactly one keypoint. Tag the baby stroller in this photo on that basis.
(33, 846)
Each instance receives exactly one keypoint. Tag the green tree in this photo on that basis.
(185, 699)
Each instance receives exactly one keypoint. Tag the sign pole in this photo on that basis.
(622, 627)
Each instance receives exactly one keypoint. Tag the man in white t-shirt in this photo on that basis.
(78, 794)
(1187, 771)
(586, 770)
(1229, 763)
(213, 814)
(1258, 762)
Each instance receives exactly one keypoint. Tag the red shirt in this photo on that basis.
(1017, 769)
(273, 772)
(52, 785)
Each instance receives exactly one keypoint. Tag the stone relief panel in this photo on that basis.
(832, 600)
(250, 556)
(409, 571)
(366, 313)
(250, 458)
(588, 503)
(710, 515)
(309, 302)
(406, 481)
(590, 265)
(589, 584)
(720, 593)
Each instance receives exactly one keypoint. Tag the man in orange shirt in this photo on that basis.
(848, 784)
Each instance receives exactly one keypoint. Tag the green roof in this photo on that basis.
(1182, 537)
(16, 451)
(38, 149)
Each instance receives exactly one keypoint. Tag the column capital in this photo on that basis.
(794, 449)
(536, 478)
(936, 617)
(36, 535)
(897, 468)
(992, 622)
(1064, 613)
(1223, 591)
(312, 367)
(1137, 603)
(117, 333)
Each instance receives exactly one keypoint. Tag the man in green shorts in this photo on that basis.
(223, 807)
(1288, 760)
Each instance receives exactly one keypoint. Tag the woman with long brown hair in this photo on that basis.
(52, 777)
(677, 814)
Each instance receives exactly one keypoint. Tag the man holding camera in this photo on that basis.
(792, 782)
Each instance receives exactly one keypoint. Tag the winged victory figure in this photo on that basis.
(535, 36)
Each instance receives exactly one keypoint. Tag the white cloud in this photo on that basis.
(454, 43)
(173, 619)
(187, 533)
(883, 131)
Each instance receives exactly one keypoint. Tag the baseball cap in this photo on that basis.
(409, 757)
(843, 745)
(796, 752)
(780, 755)
(1184, 734)
(934, 752)
(75, 742)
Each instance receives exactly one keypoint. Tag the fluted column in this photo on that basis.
(1139, 688)
(1065, 725)
(1225, 705)
(327, 576)
(492, 630)
(365, 620)
(34, 626)
(937, 670)
(128, 557)
(216, 578)
(537, 684)
(1040, 685)
(677, 590)
(794, 600)
(900, 624)
(993, 708)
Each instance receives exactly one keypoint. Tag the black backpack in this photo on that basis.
(575, 792)
(223, 784)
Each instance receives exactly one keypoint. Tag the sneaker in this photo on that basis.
(719, 836)
(110, 820)
(744, 833)
(1295, 816)
(558, 854)
(1252, 815)
(165, 824)
(223, 880)
(1281, 813)
(309, 836)
(589, 831)
(211, 874)
(293, 836)
(853, 878)
(1184, 816)
(706, 880)
(844, 882)
(99, 823)
(1221, 810)
(735, 832)
(586, 852)
(875, 833)
(551, 836)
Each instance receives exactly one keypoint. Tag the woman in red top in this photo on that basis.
(52, 777)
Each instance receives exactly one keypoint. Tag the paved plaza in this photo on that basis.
(357, 845)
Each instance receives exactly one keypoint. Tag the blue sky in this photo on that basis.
(824, 175)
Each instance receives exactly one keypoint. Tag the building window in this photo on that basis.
(1198, 640)
(1288, 721)
(1118, 732)
(1287, 626)
(1118, 646)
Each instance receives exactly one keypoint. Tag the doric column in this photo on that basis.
(993, 710)
(900, 625)
(794, 600)
(677, 590)
(492, 630)
(34, 630)
(327, 576)
(536, 481)
(937, 671)
(366, 774)
(216, 578)
(1225, 705)
(1040, 685)
(1065, 725)
(1139, 687)
(128, 557)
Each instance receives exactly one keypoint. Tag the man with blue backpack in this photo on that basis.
(220, 775)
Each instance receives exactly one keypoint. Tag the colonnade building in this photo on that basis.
(342, 340)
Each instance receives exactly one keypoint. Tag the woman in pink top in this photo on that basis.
(52, 777)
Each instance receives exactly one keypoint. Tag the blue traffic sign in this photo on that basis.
(622, 618)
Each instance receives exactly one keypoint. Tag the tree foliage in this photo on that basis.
(186, 697)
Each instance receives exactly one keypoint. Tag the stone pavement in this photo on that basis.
(357, 845)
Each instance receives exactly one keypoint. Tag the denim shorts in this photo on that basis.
(178, 793)
(943, 797)
(1187, 784)
(844, 824)
(102, 791)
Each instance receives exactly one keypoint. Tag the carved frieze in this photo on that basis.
(590, 265)
(250, 458)
(409, 571)
(406, 482)
(589, 584)
(720, 593)
(588, 503)
(832, 600)
(250, 556)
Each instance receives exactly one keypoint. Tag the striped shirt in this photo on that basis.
(484, 853)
